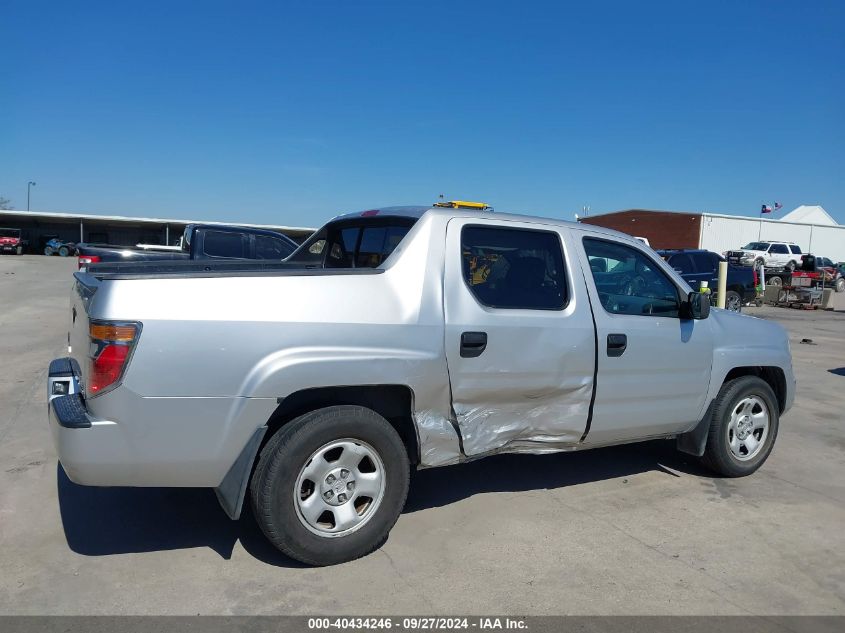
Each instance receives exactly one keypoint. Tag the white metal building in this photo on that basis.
(809, 226)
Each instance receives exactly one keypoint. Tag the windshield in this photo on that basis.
(10, 232)
(756, 246)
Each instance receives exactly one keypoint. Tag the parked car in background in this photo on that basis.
(396, 338)
(59, 247)
(833, 273)
(198, 241)
(769, 254)
(11, 241)
(696, 265)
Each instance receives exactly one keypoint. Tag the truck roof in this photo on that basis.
(417, 211)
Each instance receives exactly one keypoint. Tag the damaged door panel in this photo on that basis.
(520, 343)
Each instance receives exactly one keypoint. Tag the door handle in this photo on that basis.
(473, 344)
(616, 344)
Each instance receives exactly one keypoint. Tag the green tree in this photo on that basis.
(5, 203)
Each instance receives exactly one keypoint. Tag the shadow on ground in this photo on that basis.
(105, 521)
(839, 371)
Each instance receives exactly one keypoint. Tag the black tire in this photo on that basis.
(64, 251)
(717, 453)
(791, 266)
(839, 284)
(774, 281)
(274, 480)
(759, 262)
(20, 250)
(733, 301)
(48, 251)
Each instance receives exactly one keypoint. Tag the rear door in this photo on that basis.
(520, 343)
(653, 366)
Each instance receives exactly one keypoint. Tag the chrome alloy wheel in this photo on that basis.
(733, 303)
(748, 428)
(339, 488)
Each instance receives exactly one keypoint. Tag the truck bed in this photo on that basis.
(214, 268)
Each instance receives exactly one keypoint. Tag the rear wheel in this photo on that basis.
(20, 250)
(774, 281)
(733, 301)
(64, 251)
(330, 485)
(743, 427)
(791, 266)
(839, 284)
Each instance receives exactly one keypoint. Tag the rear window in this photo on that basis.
(795, 250)
(353, 243)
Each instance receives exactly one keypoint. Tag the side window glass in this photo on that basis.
(704, 262)
(629, 282)
(779, 249)
(795, 249)
(267, 247)
(514, 268)
(224, 245)
(682, 263)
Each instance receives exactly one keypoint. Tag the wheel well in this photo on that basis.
(772, 375)
(393, 402)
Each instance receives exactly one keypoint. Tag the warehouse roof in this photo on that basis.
(809, 214)
(85, 217)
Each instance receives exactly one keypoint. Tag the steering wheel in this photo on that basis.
(633, 285)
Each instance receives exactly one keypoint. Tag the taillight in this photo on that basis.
(84, 260)
(111, 347)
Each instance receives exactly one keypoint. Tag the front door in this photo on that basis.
(519, 341)
(653, 366)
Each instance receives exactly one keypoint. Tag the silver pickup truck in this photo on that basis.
(397, 338)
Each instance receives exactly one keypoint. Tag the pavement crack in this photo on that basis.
(405, 580)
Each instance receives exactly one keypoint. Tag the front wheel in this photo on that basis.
(48, 250)
(791, 266)
(840, 284)
(743, 427)
(330, 485)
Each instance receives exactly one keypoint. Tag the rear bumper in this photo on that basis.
(90, 449)
(122, 439)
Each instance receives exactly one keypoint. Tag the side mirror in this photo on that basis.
(698, 305)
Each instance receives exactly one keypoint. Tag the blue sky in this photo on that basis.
(290, 113)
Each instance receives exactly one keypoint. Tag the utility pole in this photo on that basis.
(29, 186)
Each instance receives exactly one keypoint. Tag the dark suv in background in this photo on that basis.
(696, 265)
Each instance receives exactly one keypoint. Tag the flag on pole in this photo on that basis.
(765, 209)
(778, 205)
